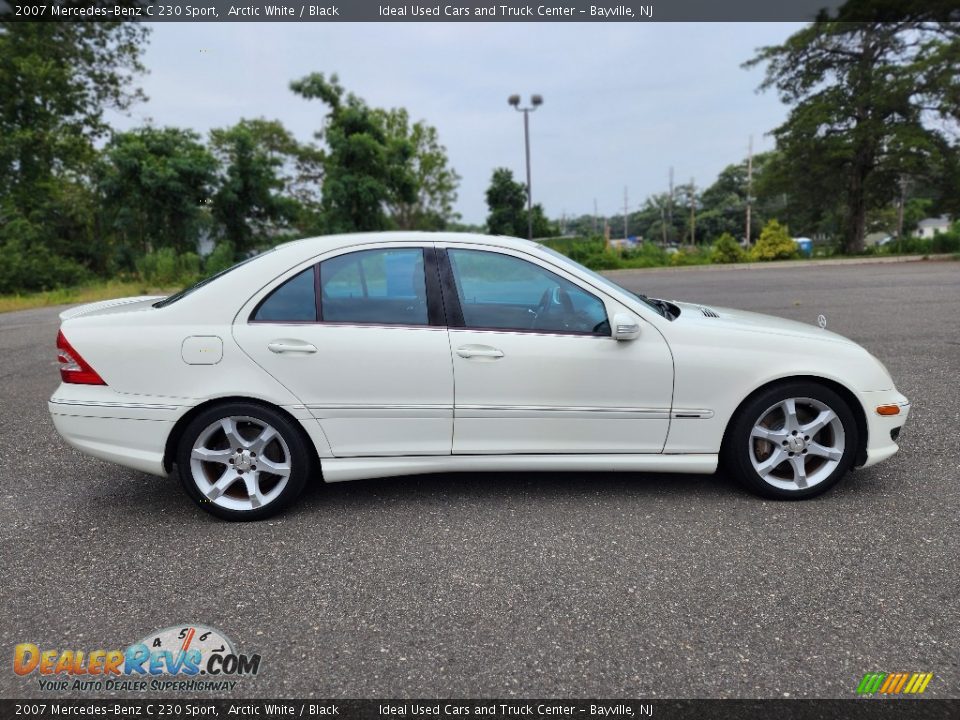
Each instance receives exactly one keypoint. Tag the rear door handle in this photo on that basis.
(291, 346)
(484, 351)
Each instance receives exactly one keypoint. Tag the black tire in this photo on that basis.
(740, 449)
(290, 441)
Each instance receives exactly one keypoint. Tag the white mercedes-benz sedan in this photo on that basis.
(373, 355)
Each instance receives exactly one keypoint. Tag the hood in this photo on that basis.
(745, 321)
(109, 307)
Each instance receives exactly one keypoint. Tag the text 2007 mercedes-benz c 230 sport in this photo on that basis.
(372, 355)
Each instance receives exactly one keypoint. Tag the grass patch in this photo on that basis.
(106, 290)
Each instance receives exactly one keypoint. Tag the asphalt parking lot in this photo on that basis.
(536, 585)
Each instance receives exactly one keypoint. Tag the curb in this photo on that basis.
(789, 264)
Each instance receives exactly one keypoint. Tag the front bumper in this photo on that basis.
(880, 428)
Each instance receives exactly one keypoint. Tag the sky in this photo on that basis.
(623, 102)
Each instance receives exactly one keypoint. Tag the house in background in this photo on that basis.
(928, 227)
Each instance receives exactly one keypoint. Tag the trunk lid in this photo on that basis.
(109, 307)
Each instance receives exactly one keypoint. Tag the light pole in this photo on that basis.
(535, 102)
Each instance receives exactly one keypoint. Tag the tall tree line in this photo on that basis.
(79, 199)
(873, 127)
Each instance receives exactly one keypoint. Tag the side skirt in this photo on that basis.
(358, 468)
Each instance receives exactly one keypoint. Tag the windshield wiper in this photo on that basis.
(662, 305)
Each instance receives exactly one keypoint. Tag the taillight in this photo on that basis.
(73, 368)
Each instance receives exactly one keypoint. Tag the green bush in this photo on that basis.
(689, 256)
(27, 266)
(727, 250)
(646, 254)
(222, 257)
(909, 245)
(578, 249)
(948, 242)
(775, 243)
(165, 268)
(606, 260)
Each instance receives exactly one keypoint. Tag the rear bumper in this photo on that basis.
(137, 444)
(880, 443)
(112, 427)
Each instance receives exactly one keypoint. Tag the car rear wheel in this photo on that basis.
(793, 441)
(242, 461)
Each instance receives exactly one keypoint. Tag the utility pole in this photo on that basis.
(903, 194)
(749, 184)
(670, 203)
(663, 224)
(594, 216)
(693, 214)
(625, 210)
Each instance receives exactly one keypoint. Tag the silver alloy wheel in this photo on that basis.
(797, 443)
(240, 463)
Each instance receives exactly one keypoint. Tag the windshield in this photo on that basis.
(605, 281)
(206, 281)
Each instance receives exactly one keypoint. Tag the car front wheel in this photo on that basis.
(242, 461)
(793, 441)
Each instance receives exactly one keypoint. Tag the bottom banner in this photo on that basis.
(905, 709)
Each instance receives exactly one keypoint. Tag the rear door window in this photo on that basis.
(377, 287)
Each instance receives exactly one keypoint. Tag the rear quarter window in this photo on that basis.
(294, 301)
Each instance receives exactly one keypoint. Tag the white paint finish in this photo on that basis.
(552, 412)
(503, 378)
(136, 444)
(389, 392)
(202, 350)
(879, 444)
(343, 469)
(140, 355)
(502, 400)
(363, 369)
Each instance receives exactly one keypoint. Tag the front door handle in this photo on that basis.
(291, 346)
(479, 351)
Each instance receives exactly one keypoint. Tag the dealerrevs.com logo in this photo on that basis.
(188, 658)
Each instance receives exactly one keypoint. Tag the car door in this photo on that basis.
(535, 367)
(360, 339)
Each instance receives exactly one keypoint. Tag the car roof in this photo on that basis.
(330, 242)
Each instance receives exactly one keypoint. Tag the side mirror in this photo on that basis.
(625, 327)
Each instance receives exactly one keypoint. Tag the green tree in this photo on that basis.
(365, 169)
(156, 185)
(435, 181)
(727, 250)
(56, 81)
(870, 101)
(542, 226)
(249, 199)
(506, 200)
(298, 166)
(774, 243)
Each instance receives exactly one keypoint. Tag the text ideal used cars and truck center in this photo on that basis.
(375, 355)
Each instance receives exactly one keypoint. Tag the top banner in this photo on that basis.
(470, 11)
